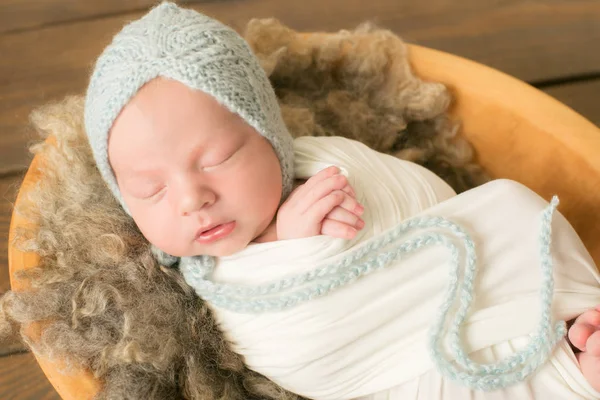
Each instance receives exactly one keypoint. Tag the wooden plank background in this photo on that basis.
(536, 41)
(47, 49)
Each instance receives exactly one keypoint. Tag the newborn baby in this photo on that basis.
(187, 133)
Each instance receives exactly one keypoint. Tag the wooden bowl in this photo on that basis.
(518, 132)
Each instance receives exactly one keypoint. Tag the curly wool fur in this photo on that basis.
(137, 326)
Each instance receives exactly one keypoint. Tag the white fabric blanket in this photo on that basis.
(368, 340)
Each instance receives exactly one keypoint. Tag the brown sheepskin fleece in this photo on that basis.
(136, 325)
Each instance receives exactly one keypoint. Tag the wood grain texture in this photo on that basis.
(515, 36)
(12, 345)
(583, 97)
(22, 379)
(18, 15)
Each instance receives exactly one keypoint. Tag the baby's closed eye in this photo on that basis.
(155, 192)
(218, 159)
(215, 161)
(145, 189)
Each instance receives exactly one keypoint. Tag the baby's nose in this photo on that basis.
(196, 198)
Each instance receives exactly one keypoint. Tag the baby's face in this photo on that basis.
(184, 164)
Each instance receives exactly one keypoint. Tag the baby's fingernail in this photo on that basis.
(360, 224)
(337, 169)
(332, 168)
(360, 209)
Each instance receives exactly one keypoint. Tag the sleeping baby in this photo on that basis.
(334, 270)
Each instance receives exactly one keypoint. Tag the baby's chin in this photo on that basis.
(222, 248)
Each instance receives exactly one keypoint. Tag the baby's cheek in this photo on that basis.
(161, 231)
(263, 194)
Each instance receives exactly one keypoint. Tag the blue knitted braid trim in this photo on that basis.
(293, 290)
(519, 366)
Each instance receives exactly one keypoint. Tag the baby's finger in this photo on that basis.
(590, 317)
(351, 204)
(321, 190)
(579, 334)
(337, 229)
(342, 215)
(306, 194)
(593, 344)
(318, 211)
(350, 190)
(322, 175)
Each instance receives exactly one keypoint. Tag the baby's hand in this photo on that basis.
(584, 334)
(324, 205)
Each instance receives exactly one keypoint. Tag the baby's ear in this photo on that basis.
(163, 258)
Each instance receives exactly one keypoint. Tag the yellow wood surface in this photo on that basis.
(518, 132)
(77, 386)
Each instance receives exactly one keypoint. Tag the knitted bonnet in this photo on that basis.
(196, 50)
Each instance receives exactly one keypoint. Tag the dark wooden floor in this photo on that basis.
(47, 47)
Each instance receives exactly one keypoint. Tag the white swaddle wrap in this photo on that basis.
(368, 339)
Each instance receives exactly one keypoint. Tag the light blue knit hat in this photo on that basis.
(196, 50)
